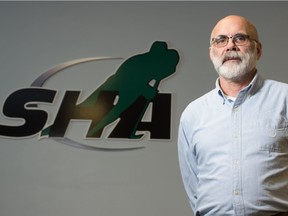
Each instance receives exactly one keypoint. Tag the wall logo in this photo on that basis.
(123, 97)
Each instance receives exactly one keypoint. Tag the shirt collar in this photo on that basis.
(249, 90)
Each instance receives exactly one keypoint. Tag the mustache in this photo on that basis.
(231, 56)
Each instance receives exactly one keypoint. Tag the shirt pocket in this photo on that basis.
(273, 127)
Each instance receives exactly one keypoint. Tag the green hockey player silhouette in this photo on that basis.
(138, 76)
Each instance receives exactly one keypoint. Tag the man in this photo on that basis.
(233, 141)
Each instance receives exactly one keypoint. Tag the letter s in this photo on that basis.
(17, 106)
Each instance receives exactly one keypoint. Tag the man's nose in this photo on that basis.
(231, 46)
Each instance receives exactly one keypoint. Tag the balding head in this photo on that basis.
(233, 24)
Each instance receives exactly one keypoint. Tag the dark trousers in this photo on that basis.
(282, 214)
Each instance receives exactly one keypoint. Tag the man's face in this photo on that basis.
(233, 62)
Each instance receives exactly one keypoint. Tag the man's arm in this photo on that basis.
(187, 163)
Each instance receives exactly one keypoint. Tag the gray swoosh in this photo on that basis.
(38, 82)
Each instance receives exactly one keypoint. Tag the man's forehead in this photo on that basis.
(229, 27)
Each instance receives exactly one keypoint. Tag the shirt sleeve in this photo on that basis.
(187, 163)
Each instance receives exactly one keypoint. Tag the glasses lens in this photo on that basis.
(240, 39)
(220, 41)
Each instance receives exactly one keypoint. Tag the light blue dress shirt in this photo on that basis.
(234, 155)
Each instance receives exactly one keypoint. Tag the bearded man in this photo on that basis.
(233, 141)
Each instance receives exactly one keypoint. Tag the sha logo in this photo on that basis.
(124, 96)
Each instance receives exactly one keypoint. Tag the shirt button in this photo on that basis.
(236, 193)
(236, 162)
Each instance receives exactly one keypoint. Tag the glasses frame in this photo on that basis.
(233, 37)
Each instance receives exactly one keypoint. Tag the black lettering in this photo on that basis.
(23, 104)
(160, 125)
(70, 110)
(129, 120)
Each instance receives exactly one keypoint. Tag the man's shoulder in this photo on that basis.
(276, 84)
(207, 96)
(201, 102)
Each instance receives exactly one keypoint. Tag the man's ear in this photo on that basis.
(259, 50)
(210, 53)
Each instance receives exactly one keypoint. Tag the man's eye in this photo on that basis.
(239, 38)
(220, 40)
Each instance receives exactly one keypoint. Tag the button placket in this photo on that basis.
(236, 160)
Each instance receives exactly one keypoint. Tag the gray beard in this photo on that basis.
(236, 71)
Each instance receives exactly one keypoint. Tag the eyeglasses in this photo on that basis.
(237, 39)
